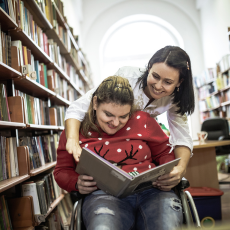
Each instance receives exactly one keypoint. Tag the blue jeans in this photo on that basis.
(148, 210)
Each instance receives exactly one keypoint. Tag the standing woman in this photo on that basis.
(165, 85)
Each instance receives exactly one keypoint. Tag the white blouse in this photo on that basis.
(178, 125)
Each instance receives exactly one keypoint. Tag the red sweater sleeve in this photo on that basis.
(64, 172)
(158, 143)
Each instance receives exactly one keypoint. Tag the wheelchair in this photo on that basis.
(185, 196)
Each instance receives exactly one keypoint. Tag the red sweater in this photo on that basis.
(138, 146)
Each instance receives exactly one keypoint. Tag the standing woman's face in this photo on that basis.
(162, 81)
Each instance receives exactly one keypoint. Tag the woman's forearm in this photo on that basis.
(72, 127)
(184, 153)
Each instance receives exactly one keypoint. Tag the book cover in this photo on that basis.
(7, 159)
(31, 190)
(114, 180)
(1, 168)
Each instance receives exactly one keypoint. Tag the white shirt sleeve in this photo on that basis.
(78, 108)
(179, 130)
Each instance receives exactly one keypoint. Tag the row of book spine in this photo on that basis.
(42, 149)
(44, 190)
(38, 111)
(48, 78)
(58, 219)
(8, 158)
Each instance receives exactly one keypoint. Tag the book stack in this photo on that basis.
(4, 108)
(42, 149)
(44, 191)
(8, 158)
(5, 220)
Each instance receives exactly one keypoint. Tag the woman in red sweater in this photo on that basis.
(134, 142)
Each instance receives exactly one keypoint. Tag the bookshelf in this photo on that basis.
(214, 90)
(44, 168)
(71, 67)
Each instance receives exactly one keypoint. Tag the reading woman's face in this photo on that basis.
(112, 117)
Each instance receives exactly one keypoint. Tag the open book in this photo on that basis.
(114, 180)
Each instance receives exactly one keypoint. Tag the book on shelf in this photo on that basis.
(10, 7)
(65, 208)
(5, 218)
(43, 189)
(4, 109)
(42, 149)
(8, 156)
(114, 180)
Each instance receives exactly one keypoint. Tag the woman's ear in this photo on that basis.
(95, 102)
(178, 85)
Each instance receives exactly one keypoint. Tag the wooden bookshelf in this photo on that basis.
(11, 125)
(9, 183)
(60, 100)
(58, 69)
(42, 127)
(39, 170)
(61, 128)
(76, 88)
(53, 35)
(9, 23)
(38, 15)
(33, 88)
(38, 53)
(51, 208)
(60, 18)
(7, 72)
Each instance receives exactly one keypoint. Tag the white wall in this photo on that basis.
(215, 20)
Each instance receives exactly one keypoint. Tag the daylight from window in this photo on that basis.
(139, 37)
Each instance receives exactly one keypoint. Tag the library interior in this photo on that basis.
(176, 57)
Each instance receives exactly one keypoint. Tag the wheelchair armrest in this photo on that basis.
(184, 183)
(77, 195)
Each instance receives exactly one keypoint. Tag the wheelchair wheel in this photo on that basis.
(207, 222)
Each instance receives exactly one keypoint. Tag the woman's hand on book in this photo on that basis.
(85, 184)
(74, 148)
(170, 180)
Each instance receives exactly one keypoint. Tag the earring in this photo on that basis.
(178, 89)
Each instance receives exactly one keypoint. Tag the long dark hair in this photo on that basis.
(175, 57)
(114, 89)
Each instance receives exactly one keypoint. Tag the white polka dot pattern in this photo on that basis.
(145, 156)
(145, 126)
(80, 142)
(138, 117)
(119, 150)
(149, 166)
(140, 147)
(106, 142)
(86, 145)
(135, 169)
(127, 139)
(89, 133)
(139, 134)
(99, 138)
(128, 128)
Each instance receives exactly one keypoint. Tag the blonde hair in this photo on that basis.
(114, 89)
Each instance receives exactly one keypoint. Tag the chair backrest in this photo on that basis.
(215, 127)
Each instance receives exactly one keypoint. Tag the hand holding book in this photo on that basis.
(86, 184)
